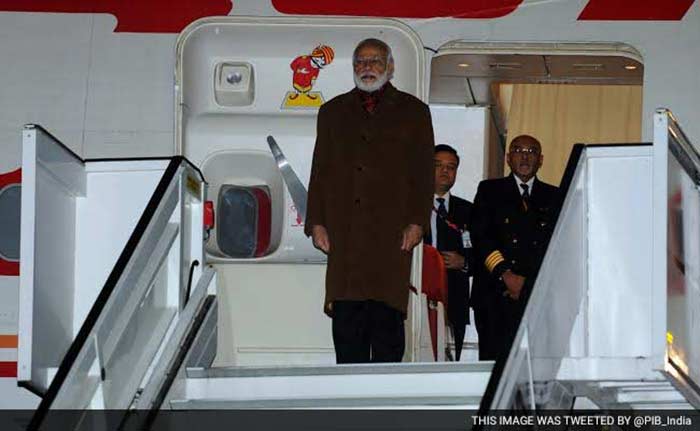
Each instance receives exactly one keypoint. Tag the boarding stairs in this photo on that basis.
(146, 340)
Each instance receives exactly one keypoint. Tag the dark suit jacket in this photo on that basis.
(459, 214)
(372, 175)
(501, 227)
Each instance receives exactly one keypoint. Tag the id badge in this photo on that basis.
(466, 239)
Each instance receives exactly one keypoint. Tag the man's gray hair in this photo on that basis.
(375, 43)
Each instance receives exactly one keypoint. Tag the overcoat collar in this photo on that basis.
(389, 98)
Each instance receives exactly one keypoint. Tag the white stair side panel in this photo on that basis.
(117, 194)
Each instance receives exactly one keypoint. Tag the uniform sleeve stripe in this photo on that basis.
(493, 259)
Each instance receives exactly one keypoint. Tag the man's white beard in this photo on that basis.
(374, 86)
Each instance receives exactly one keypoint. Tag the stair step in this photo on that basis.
(316, 386)
(326, 403)
(335, 370)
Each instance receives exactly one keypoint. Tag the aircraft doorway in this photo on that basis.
(483, 95)
(562, 94)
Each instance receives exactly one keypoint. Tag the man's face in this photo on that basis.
(371, 70)
(445, 172)
(525, 157)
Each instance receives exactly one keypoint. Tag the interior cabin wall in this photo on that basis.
(466, 129)
(561, 115)
(495, 154)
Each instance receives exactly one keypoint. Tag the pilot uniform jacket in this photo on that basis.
(507, 236)
(372, 175)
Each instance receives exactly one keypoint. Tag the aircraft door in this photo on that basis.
(238, 82)
(248, 92)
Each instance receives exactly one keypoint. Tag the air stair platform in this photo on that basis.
(119, 307)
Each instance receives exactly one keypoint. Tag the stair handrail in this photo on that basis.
(680, 146)
(83, 335)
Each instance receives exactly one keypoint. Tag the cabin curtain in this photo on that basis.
(561, 115)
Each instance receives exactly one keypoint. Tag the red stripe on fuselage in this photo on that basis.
(400, 8)
(162, 16)
(8, 369)
(13, 177)
(635, 10)
(9, 268)
(143, 16)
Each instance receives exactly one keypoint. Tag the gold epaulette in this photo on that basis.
(493, 260)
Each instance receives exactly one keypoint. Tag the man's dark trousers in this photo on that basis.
(367, 331)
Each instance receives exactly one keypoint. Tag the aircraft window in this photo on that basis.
(243, 225)
(9, 222)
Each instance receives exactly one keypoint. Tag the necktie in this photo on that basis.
(525, 196)
(370, 100)
(441, 224)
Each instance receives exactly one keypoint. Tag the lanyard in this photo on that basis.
(447, 222)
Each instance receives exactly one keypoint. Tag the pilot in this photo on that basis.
(369, 202)
(513, 219)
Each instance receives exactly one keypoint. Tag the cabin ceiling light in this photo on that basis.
(463, 65)
(631, 67)
(505, 66)
(589, 66)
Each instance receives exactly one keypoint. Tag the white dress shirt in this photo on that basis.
(530, 182)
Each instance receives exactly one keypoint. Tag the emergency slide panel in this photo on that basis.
(129, 324)
(683, 255)
(591, 316)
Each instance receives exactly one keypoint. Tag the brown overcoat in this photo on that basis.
(372, 175)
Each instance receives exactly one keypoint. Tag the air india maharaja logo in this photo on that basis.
(305, 70)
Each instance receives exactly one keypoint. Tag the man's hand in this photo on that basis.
(328, 309)
(412, 235)
(514, 284)
(320, 238)
(452, 259)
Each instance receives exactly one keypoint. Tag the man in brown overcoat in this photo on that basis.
(369, 202)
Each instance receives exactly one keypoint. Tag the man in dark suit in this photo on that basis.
(512, 222)
(369, 203)
(449, 233)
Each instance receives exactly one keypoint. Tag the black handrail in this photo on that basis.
(680, 146)
(684, 161)
(109, 286)
(197, 323)
(194, 264)
(55, 139)
(128, 159)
